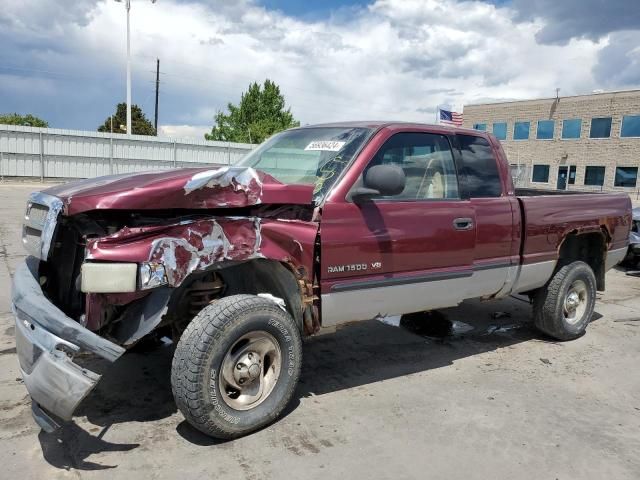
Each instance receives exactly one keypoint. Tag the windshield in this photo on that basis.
(312, 156)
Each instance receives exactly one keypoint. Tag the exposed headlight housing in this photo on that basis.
(152, 275)
(108, 277)
(121, 277)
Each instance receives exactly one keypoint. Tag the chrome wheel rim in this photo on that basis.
(575, 302)
(250, 370)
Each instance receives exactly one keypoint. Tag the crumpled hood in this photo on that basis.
(205, 187)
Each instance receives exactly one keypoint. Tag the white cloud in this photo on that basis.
(184, 131)
(395, 59)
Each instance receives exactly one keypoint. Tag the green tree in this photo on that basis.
(260, 114)
(139, 123)
(24, 120)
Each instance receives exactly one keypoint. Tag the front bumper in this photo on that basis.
(46, 342)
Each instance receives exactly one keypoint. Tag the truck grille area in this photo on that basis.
(31, 239)
(62, 270)
(52, 238)
(40, 222)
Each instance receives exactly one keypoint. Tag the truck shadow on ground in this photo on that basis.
(137, 387)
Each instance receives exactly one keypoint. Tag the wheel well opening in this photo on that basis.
(253, 277)
(590, 248)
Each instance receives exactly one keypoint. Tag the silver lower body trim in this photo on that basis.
(614, 257)
(533, 276)
(367, 303)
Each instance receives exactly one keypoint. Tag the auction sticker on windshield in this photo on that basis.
(325, 145)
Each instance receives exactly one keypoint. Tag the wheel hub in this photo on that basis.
(573, 300)
(248, 368)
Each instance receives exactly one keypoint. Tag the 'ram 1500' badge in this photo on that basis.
(354, 267)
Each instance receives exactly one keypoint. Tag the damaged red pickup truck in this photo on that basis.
(317, 226)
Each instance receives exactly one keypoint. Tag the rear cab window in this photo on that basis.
(477, 168)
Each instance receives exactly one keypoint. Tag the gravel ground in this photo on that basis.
(494, 400)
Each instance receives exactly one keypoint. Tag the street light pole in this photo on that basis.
(128, 6)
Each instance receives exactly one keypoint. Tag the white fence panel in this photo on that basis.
(79, 154)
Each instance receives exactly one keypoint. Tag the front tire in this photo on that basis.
(564, 307)
(236, 366)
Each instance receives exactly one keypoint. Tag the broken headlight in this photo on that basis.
(151, 275)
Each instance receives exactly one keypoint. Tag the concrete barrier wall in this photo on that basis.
(54, 153)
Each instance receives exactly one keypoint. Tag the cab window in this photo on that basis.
(478, 168)
(428, 165)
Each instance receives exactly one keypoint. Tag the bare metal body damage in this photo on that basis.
(192, 246)
(239, 178)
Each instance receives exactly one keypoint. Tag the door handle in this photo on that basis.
(463, 223)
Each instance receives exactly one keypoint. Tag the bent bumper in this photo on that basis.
(46, 342)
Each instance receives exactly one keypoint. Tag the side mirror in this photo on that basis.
(381, 180)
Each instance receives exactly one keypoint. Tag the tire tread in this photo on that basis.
(545, 304)
(190, 356)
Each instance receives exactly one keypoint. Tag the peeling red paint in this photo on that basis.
(187, 247)
(196, 245)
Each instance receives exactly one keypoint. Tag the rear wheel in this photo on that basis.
(564, 307)
(236, 366)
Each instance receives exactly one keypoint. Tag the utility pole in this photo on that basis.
(155, 121)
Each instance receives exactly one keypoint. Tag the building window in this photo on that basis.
(500, 130)
(571, 128)
(630, 126)
(594, 176)
(540, 174)
(572, 175)
(521, 130)
(545, 129)
(626, 177)
(600, 127)
(480, 126)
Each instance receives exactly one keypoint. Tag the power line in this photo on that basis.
(48, 72)
(309, 102)
(205, 82)
(252, 78)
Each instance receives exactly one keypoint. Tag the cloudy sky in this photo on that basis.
(64, 60)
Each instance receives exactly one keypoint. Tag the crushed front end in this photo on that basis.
(108, 266)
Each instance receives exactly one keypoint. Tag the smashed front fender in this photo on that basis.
(198, 245)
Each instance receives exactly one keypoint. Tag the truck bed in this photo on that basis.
(548, 216)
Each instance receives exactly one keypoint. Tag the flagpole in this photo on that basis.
(438, 114)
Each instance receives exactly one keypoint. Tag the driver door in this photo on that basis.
(403, 253)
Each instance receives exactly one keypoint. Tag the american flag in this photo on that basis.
(450, 118)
